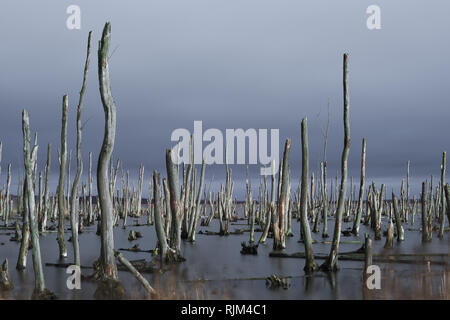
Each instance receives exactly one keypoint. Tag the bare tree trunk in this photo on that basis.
(29, 161)
(194, 220)
(443, 202)
(279, 217)
(91, 210)
(177, 214)
(62, 174)
(426, 237)
(74, 213)
(331, 264)
(357, 221)
(398, 221)
(46, 209)
(310, 265)
(23, 251)
(107, 260)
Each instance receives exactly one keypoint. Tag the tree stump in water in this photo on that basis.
(43, 295)
(134, 235)
(274, 282)
(5, 281)
(18, 233)
(251, 248)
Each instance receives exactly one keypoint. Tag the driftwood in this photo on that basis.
(135, 272)
(136, 248)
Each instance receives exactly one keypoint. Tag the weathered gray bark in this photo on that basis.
(139, 195)
(165, 252)
(426, 237)
(5, 280)
(279, 237)
(177, 214)
(447, 197)
(7, 196)
(91, 210)
(46, 208)
(269, 207)
(74, 212)
(367, 254)
(29, 162)
(194, 220)
(62, 174)
(168, 218)
(310, 265)
(331, 264)
(390, 233)
(136, 273)
(443, 202)
(398, 221)
(23, 251)
(108, 266)
(357, 221)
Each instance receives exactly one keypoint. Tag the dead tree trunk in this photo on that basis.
(177, 214)
(74, 213)
(279, 238)
(62, 174)
(310, 265)
(46, 210)
(426, 237)
(398, 221)
(443, 202)
(108, 268)
(29, 162)
(331, 264)
(357, 221)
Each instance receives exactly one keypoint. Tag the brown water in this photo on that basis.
(215, 268)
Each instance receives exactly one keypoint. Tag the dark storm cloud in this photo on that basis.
(249, 64)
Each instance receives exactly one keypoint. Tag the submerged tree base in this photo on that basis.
(43, 295)
(251, 248)
(110, 289)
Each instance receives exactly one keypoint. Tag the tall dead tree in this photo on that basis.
(108, 268)
(331, 264)
(29, 163)
(62, 175)
(443, 202)
(74, 213)
(310, 265)
(46, 209)
(357, 221)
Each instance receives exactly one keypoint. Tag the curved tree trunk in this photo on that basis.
(107, 259)
(74, 213)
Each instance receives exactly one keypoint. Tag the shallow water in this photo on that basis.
(215, 268)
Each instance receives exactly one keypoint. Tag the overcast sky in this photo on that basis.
(234, 64)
